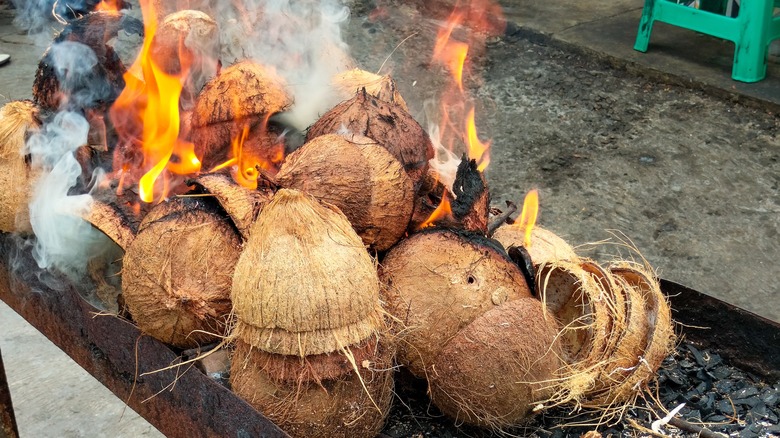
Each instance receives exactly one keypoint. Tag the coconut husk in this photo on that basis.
(97, 86)
(354, 404)
(305, 283)
(178, 270)
(384, 122)
(241, 90)
(471, 206)
(358, 176)
(384, 87)
(497, 368)
(438, 281)
(192, 36)
(17, 178)
(110, 220)
(428, 198)
(241, 204)
(545, 247)
(659, 340)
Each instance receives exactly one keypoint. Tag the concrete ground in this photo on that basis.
(54, 397)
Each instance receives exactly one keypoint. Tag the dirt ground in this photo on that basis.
(692, 181)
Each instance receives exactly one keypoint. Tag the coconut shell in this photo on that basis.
(241, 204)
(659, 340)
(358, 176)
(18, 119)
(241, 90)
(497, 368)
(437, 282)
(110, 220)
(545, 247)
(192, 36)
(353, 404)
(384, 88)
(384, 122)
(178, 270)
(305, 283)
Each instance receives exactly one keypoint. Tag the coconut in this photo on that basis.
(545, 247)
(241, 204)
(304, 283)
(338, 394)
(384, 88)
(17, 178)
(245, 94)
(358, 176)
(659, 338)
(437, 282)
(191, 37)
(178, 270)
(497, 368)
(386, 123)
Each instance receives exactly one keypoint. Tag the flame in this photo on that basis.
(110, 6)
(476, 149)
(528, 215)
(450, 52)
(153, 104)
(444, 210)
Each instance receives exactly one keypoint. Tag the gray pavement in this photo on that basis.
(54, 397)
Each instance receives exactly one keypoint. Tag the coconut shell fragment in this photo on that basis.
(358, 176)
(437, 282)
(304, 283)
(18, 119)
(384, 122)
(335, 395)
(178, 271)
(497, 368)
(384, 87)
(545, 247)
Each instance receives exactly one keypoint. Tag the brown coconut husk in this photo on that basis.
(305, 283)
(585, 310)
(499, 367)
(346, 398)
(18, 119)
(191, 36)
(101, 85)
(178, 270)
(241, 204)
(437, 282)
(659, 339)
(428, 198)
(245, 94)
(545, 247)
(358, 176)
(384, 122)
(109, 219)
(349, 82)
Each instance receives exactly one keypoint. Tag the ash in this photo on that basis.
(717, 396)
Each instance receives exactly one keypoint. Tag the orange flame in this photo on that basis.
(528, 215)
(451, 53)
(110, 6)
(153, 103)
(444, 210)
(476, 149)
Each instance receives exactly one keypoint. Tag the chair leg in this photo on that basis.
(752, 45)
(645, 26)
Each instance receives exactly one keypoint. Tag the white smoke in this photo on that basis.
(444, 161)
(301, 39)
(63, 240)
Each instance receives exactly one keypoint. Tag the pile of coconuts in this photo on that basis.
(321, 280)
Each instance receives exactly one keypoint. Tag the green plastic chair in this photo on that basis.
(751, 30)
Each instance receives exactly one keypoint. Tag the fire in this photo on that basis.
(476, 149)
(150, 100)
(444, 210)
(110, 6)
(450, 52)
(528, 215)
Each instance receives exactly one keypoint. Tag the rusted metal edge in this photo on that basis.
(747, 340)
(8, 427)
(179, 403)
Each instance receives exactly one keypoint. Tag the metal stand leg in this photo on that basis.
(8, 427)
